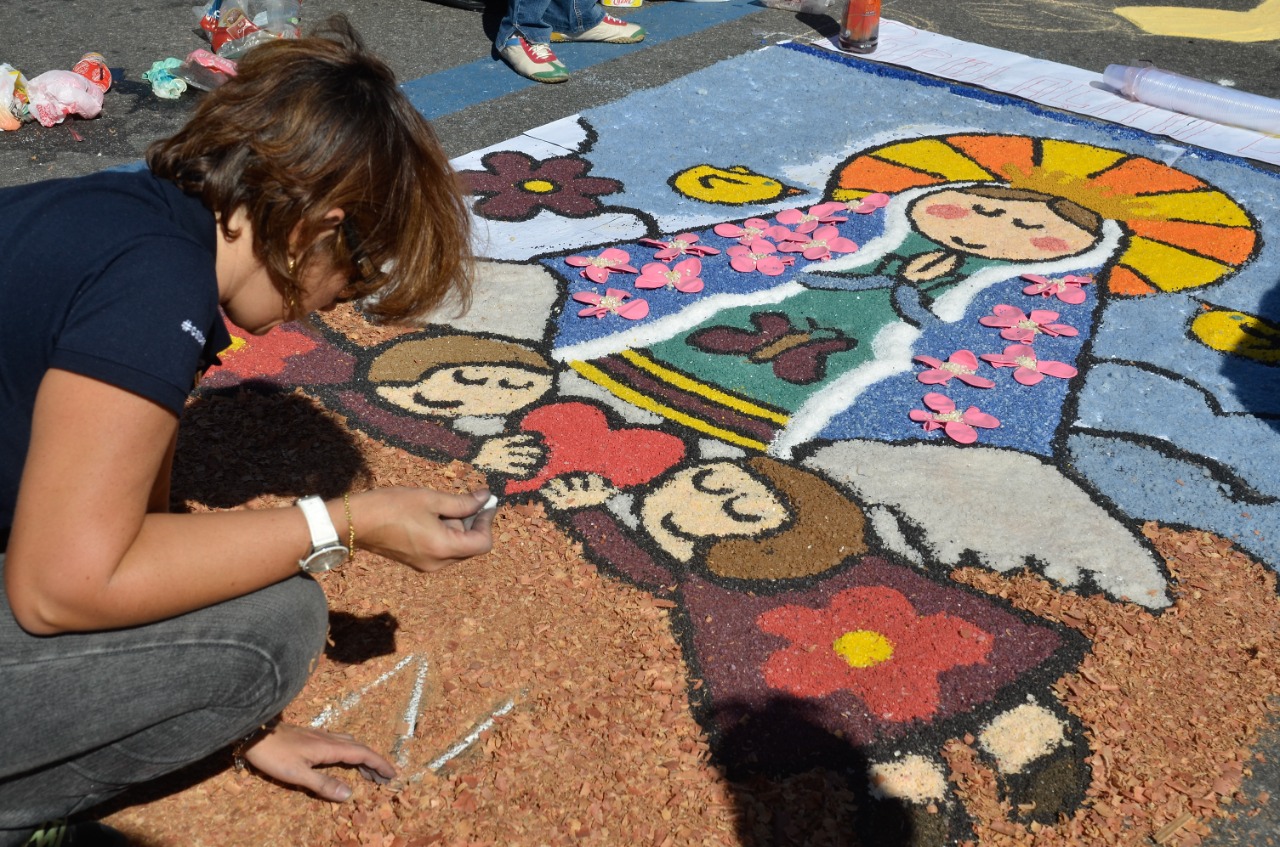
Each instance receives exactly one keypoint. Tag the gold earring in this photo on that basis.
(293, 263)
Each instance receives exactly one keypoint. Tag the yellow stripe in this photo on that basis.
(931, 156)
(1070, 157)
(703, 390)
(635, 398)
(1170, 268)
(1210, 207)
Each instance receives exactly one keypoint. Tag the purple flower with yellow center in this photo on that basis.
(514, 186)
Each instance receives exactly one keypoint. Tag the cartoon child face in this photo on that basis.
(711, 499)
(455, 391)
(1013, 230)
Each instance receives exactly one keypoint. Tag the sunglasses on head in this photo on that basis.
(365, 275)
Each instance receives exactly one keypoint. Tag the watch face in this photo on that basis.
(325, 559)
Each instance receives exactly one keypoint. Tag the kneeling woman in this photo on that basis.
(133, 641)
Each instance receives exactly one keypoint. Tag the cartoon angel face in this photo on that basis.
(469, 390)
(1018, 230)
(710, 499)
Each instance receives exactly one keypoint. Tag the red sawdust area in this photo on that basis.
(599, 746)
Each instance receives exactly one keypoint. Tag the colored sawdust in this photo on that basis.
(600, 747)
(1166, 760)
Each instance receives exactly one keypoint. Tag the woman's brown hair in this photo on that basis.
(313, 124)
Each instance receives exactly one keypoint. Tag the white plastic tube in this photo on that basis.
(1195, 97)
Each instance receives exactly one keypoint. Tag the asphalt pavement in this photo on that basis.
(445, 58)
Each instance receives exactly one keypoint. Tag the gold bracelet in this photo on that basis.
(243, 745)
(351, 528)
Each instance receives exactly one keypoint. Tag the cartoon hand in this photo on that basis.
(577, 491)
(514, 455)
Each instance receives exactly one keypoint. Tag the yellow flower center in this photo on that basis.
(863, 648)
(538, 186)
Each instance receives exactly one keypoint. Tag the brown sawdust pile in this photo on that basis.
(600, 748)
(1171, 702)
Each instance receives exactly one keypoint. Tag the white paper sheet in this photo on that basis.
(1059, 86)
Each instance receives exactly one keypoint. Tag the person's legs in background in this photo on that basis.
(524, 35)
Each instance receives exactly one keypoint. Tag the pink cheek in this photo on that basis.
(948, 211)
(1050, 244)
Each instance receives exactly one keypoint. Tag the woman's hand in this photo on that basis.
(420, 527)
(291, 754)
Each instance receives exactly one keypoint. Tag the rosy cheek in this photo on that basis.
(948, 211)
(1050, 244)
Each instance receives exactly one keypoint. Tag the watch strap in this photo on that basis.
(323, 532)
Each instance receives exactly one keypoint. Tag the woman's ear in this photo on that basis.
(332, 218)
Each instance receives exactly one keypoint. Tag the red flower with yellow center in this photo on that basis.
(871, 641)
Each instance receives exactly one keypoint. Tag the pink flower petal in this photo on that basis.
(771, 265)
(728, 230)
(872, 202)
(973, 417)
(841, 244)
(939, 402)
(1061, 370)
(960, 431)
(743, 264)
(634, 310)
(577, 261)
(1072, 295)
(595, 273)
(1028, 376)
(689, 286)
(614, 255)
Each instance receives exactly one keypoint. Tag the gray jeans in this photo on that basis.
(83, 716)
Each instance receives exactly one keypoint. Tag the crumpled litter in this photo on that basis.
(13, 97)
(51, 96)
(56, 94)
(164, 83)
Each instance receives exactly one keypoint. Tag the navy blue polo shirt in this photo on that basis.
(111, 276)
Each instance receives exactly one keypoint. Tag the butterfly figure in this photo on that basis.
(797, 355)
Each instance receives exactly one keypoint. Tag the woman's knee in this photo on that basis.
(288, 622)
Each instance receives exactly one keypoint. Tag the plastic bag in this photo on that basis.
(235, 26)
(13, 97)
(205, 71)
(56, 94)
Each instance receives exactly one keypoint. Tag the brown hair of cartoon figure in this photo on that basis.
(454, 376)
(766, 520)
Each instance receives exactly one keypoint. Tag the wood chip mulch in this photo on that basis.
(599, 747)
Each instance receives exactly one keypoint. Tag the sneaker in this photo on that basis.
(622, 4)
(612, 30)
(534, 61)
(87, 834)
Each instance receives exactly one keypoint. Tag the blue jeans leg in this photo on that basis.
(87, 715)
(535, 19)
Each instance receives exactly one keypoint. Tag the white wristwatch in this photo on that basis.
(327, 552)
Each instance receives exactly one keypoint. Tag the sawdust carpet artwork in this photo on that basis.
(915, 411)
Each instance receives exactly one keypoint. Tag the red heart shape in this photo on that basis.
(579, 439)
